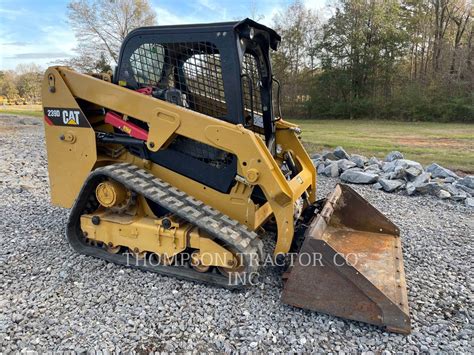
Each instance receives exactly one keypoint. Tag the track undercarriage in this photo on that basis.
(112, 219)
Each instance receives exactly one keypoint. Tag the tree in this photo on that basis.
(29, 81)
(8, 85)
(254, 13)
(101, 26)
(24, 81)
(363, 42)
(296, 58)
(460, 16)
(90, 63)
(442, 19)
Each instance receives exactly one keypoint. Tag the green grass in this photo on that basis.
(448, 144)
(24, 110)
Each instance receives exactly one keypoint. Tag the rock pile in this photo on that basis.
(396, 173)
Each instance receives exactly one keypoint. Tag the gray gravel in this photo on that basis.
(54, 299)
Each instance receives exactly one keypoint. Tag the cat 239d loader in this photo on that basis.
(178, 161)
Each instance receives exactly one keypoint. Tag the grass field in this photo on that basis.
(27, 110)
(448, 144)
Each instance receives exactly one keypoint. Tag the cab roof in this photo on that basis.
(235, 26)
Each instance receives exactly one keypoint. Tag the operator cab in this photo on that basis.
(222, 70)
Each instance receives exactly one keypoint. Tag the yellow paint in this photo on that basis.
(165, 120)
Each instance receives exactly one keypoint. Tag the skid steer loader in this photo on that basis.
(175, 162)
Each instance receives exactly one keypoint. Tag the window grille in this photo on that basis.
(147, 64)
(251, 71)
(190, 71)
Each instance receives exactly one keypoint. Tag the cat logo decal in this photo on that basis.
(71, 117)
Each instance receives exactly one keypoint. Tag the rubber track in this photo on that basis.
(229, 231)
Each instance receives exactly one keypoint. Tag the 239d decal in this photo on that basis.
(65, 117)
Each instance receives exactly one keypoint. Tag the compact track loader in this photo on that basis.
(178, 161)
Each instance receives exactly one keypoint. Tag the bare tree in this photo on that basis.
(254, 13)
(296, 58)
(442, 19)
(100, 26)
(460, 17)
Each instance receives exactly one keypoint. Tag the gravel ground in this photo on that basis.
(54, 299)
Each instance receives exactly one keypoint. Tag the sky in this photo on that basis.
(37, 31)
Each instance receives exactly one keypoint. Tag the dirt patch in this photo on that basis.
(9, 122)
(4, 129)
(23, 107)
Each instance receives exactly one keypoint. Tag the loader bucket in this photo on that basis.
(350, 265)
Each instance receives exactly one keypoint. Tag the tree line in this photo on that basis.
(390, 59)
(22, 85)
(100, 26)
(376, 59)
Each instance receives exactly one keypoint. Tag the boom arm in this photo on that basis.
(165, 120)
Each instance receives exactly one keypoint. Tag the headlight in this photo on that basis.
(251, 33)
(279, 149)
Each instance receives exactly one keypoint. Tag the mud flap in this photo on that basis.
(351, 265)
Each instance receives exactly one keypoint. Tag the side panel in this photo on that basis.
(70, 140)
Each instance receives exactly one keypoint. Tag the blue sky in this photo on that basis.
(37, 30)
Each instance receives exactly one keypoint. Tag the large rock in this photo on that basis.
(404, 163)
(316, 156)
(449, 180)
(391, 185)
(398, 173)
(393, 156)
(469, 202)
(464, 188)
(345, 164)
(321, 168)
(468, 181)
(358, 177)
(359, 160)
(437, 171)
(329, 155)
(374, 160)
(412, 172)
(340, 153)
(328, 162)
(460, 196)
(373, 168)
(419, 181)
(443, 194)
(332, 170)
(377, 186)
(431, 188)
(388, 167)
(456, 194)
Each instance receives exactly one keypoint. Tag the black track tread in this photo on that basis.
(229, 231)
